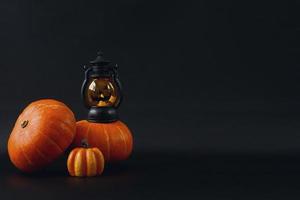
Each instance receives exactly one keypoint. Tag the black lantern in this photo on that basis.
(101, 90)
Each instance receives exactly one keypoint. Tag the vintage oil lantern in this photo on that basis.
(102, 94)
(101, 90)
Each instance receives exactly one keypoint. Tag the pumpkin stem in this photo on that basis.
(24, 123)
(84, 143)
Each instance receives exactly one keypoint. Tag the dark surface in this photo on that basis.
(211, 93)
(186, 172)
(162, 175)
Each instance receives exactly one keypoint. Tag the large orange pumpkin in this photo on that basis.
(41, 133)
(114, 139)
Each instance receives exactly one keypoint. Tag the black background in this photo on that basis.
(211, 92)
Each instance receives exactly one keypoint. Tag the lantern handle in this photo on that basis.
(119, 85)
(84, 84)
(87, 71)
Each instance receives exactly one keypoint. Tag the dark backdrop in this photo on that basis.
(197, 75)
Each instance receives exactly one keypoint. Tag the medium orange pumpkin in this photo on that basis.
(114, 139)
(85, 161)
(41, 133)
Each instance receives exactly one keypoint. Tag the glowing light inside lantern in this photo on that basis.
(101, 92)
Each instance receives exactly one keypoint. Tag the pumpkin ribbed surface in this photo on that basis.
(85, 162)
(114, 139)
(41, 133)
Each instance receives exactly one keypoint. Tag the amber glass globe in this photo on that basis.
(101, 92)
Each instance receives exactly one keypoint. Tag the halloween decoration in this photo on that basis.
(101, 93)
(101, 90)
(85, 161)
(42, 132)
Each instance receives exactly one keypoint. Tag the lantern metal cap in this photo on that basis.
(100, 61)
(102, 67)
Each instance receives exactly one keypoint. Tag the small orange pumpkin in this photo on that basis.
(113, 139)
(42, 132)
(85, 161)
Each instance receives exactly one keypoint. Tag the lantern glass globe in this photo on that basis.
(101, 92)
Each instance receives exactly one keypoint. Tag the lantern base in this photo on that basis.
(102, 114)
